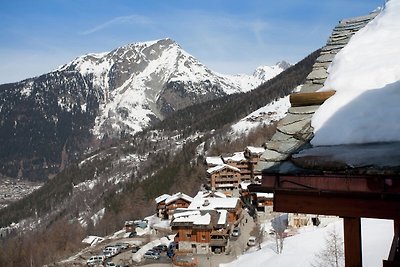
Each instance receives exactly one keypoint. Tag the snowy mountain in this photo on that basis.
(49, 120)
(141, 82)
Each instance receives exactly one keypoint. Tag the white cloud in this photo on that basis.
(131, 19)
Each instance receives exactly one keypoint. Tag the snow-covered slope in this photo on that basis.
(301, 250)
(271, 112)
(141, 82)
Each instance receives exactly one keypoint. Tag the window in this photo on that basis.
(203, 236)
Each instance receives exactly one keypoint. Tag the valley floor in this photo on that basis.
(12, 190)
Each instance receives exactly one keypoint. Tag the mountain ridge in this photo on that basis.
(48, 121)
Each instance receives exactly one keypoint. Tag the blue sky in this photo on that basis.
(229, 36)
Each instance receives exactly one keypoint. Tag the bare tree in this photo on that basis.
(279, 224)
(279, 242)
(333, 254)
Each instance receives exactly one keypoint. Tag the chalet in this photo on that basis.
(161, 206)
(297, 220)
(244, 193)
(223, 177)
(263, 200)
(201, 231)
(167, 204)
(351, 180)
(239, 161)
(253, 155)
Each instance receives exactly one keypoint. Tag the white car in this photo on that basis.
(151, 255)
(110, 251)
(95, 260)
(236, 231)
(252, 241)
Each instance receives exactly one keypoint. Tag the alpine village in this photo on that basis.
(143, 156)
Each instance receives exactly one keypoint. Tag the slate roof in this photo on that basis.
(294, 131)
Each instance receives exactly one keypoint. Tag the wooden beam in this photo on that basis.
(308, 99)
(352, 242)
(343, 205)
(334, 183)
(393, 260)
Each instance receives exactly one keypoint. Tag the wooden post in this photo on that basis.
(396, 226)
(352, 242)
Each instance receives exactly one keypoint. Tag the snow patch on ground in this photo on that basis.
(300, 250)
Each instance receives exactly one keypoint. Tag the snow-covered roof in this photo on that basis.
(197, 217)
(236, 157)
(366, 77)
(211, 194)
(220, 168)
(203, 220)
(185, 213)
(255, 150)
(214, 161)
(213, 203)
(92, 240)
(162, 198)
(358, 102)
(177, 196)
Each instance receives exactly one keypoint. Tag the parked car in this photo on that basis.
(170, 253)
(135, 249)
(252, 241)
(236, 231)
(151, 255)
(107, 254)
(160, 248)
(132, 234)
(111, 264)
(95, 260)
(173, 245)
(171, 249)
(122, 245)
(114, 250)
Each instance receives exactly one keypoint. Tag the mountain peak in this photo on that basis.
(267, 72)
(283, 64)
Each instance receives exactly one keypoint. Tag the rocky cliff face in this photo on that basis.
(48, 120)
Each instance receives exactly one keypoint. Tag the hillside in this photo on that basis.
(215, 114)
(126, 176)
(161, 140)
